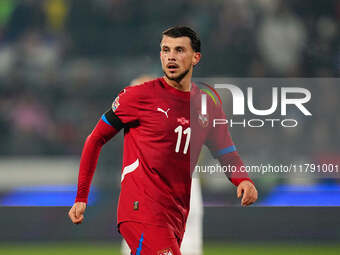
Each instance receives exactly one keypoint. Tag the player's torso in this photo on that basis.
(161, 144)
(162, 136)
(170, 131)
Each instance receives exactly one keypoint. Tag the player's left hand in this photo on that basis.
(249, 193)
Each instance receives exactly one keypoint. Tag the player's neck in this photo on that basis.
(184, 85)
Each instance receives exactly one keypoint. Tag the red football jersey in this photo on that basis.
(162, 141)
(163, 135)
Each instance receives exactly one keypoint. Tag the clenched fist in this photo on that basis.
(249, 193)
(77, 211)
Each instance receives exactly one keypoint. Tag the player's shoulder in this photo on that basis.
(206, 94)
(209, 92)
(144, 89)
(148, 85)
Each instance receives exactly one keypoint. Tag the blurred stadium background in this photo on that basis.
(63, 61)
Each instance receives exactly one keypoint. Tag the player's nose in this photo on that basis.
(171, 57)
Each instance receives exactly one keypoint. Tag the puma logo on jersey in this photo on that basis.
(165, 112)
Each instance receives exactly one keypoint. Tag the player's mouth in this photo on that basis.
(172, 67)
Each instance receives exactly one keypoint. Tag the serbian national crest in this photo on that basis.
(165, 252)
(183, 121)
(203, 120)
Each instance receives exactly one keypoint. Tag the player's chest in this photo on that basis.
(162, 117)
(173, 121)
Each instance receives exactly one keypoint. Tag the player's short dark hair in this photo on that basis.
(179, 31)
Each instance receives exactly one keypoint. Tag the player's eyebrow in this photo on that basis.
(180, 48)
(176, 47)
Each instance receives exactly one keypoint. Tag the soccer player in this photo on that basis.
(164, 132)
(193, 236)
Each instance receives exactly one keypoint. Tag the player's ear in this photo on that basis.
(196, 58)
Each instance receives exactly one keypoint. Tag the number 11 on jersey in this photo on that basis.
(186, 132)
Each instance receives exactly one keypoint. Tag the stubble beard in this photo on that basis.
(179, 77)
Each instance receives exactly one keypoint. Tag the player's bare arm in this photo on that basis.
(248, 192)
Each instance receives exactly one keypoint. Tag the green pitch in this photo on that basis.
(210, 249)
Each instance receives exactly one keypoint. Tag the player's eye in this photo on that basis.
(180, 50)
(165, 50)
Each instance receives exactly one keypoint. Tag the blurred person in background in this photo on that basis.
(281, 40)
(157, 165)
(192, 243)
